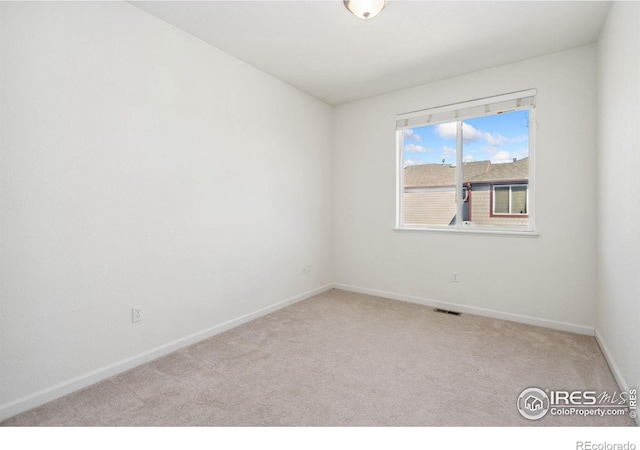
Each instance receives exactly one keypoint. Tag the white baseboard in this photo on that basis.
(617, 375)
(563, 326)
(39, 398)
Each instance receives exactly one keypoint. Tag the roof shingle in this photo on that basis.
(440, 175)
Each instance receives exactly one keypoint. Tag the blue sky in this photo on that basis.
(498, 138)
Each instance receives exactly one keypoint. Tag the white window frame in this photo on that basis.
(458, 112)
(509, 214)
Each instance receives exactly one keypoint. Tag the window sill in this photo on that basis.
(510, 233)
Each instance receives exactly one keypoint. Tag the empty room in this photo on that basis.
(319, 213)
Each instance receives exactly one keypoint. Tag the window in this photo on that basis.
(510, 200)
(467, 166)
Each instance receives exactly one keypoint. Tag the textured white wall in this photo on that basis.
(618, 321)
(141, 166)
(550, 278)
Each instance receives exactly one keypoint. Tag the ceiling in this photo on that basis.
(320, 48)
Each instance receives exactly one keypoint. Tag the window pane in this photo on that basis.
(495, 156)
(472, 172)
(501, 200)
(519, 200)
(429, 157)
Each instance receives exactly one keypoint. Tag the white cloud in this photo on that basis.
(411, 162)
(469, 133)
(468, 158)
(448, 150)
(495, 139)
(522, 138)
(446, 130)
(501, 156)
(415, 148)
(410, 135)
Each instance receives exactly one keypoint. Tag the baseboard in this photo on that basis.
(556, 325)
(39, 398)
(617, 375)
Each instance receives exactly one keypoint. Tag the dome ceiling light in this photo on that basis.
(365, 9)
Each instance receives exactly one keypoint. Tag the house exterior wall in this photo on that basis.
(481, 210)
(430, 207)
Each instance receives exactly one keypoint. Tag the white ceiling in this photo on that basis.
(320, 48)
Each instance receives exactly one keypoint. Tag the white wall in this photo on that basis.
(141, 166)
(618, 323)
(548, 280)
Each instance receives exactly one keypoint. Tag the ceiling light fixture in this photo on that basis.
(365, 9)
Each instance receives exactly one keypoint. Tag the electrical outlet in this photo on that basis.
(306, 270)
(455, 278)
(136, 314)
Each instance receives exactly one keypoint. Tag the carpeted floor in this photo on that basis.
(346, 359)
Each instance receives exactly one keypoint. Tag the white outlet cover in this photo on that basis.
(136, 314)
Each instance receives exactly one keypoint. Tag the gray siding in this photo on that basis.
(436, 207)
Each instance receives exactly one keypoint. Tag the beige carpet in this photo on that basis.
(345, 359)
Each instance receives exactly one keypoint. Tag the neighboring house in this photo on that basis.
(496, 194)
